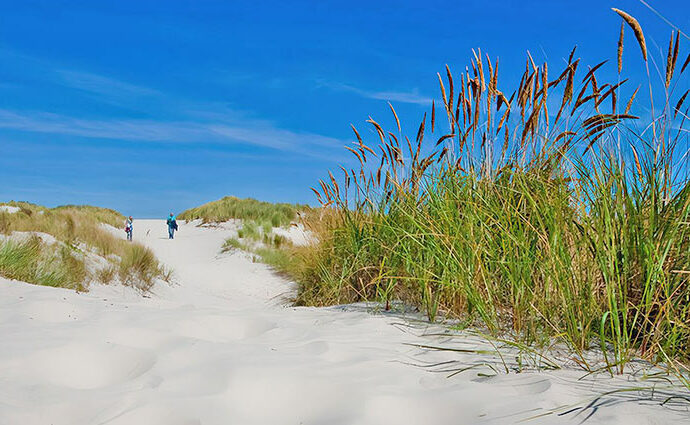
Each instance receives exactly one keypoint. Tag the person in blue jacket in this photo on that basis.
(172, 226)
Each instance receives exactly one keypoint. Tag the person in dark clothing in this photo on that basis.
(172, 226)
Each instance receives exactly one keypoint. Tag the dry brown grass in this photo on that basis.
(620, 48)
(637, 30)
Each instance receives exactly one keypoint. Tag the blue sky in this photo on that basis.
(151, 106)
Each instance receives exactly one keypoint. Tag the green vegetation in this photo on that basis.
(33, 261)
(252, 235)
(139, 267)
(256, 232)
(79, 235)
(272, 249)
(230, 207)
(562, 220)
(278, 257)
(232, 243)
(249, 230)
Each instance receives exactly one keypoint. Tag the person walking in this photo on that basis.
(172, 226)
(129, 227)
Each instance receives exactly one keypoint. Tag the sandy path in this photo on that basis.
(219, 348)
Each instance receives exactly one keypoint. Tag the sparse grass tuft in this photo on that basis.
(274, 250)
(139, 268)
(106, 275)
(280, 259)
(274, 241)
(232, 243)
(249, 230)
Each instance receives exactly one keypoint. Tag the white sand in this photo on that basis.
(9, 209)
(25, 236)
(296, 234)
(219, 347)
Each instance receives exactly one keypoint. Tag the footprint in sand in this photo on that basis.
(57, 311)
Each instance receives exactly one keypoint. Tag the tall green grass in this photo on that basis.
(547, 212)
(33, 261)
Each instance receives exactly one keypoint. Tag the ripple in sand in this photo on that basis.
(218, 328)
(90, 366)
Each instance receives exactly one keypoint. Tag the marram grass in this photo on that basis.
(33, 261)
(548, 212)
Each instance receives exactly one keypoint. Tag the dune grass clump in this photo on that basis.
(232, 243)
(67, 261)
(256, 235)
(547, 212)
(278, 257)
(33, 261)
(250, 230)
(139, 267)
(272, 249)
(230, 207)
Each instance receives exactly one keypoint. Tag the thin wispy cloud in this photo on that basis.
(135, 130)
(103, 86)
(389, 96)
(276, 138)
(263, 134)
(106, 89)
(182, 120)
(194, 121)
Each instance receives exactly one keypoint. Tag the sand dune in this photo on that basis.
(221, 346)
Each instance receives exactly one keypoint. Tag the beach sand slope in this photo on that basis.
(220, 345)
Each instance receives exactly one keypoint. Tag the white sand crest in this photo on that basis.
(221, 346)
(296, 234)
(9, 209)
